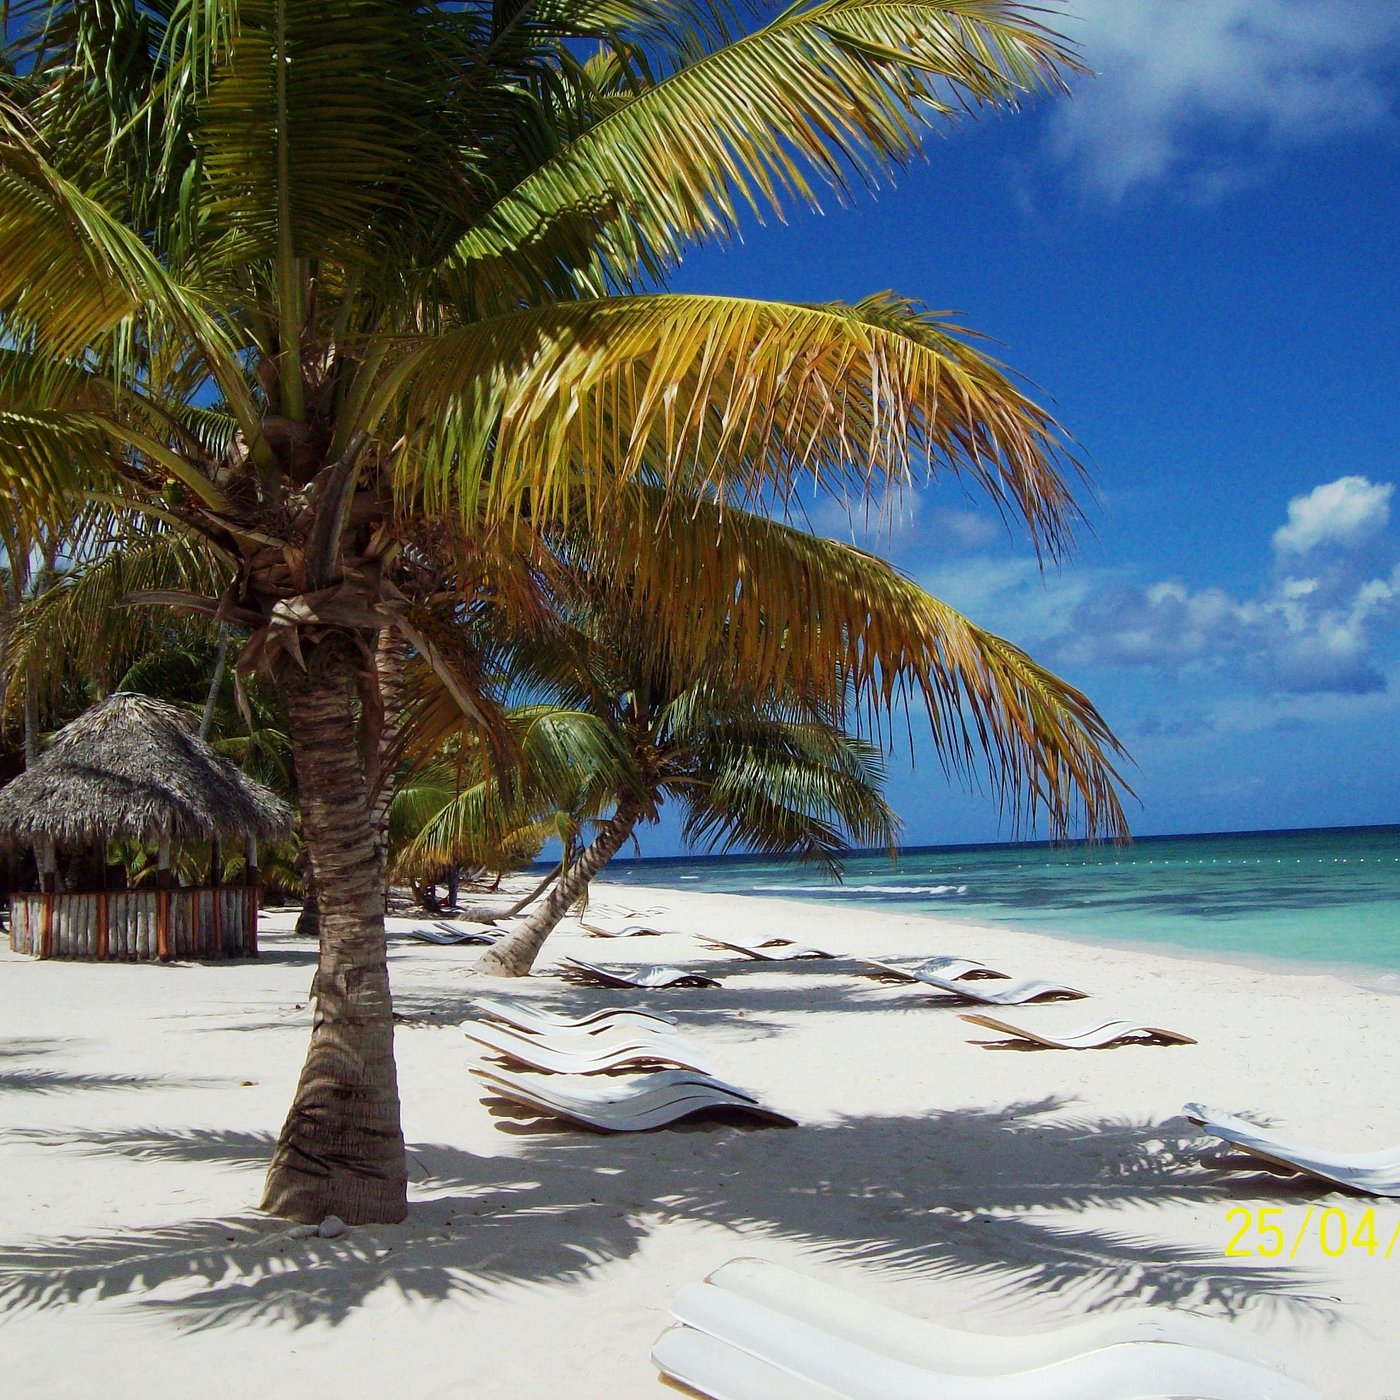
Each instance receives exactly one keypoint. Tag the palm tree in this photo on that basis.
(450, 810)
(364, 301)
(775, 773)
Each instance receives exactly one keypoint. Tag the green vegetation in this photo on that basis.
(363, 304)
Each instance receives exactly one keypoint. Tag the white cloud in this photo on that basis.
(964, 529)
(880, 523)
(1297, 636)
(1252, 714)
(1197, 91)
(1012, 597)
(1345, 512)
(1323, 632)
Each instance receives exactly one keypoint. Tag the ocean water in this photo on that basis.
(1320, 897)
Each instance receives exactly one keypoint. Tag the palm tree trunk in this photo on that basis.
(515, 954)
(309, 920)
(554, 873)
(206, 720)
(341, 1151)
(391, 677)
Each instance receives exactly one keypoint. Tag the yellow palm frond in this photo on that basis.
(537, 413)
(773, 608)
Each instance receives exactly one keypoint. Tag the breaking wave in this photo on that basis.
(863, 889)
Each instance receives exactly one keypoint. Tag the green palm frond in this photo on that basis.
(79, 626)
(572, 757)
(458, 810)
(76, 279)
(811, 806)
(835, 91)
(472, 828)
(313, 121)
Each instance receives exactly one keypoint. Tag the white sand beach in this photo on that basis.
(990, 1189)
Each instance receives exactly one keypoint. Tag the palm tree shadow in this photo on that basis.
(967, 1195)
(39, 1081)
(26, 1047)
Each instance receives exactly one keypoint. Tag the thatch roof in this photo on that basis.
(132, 768)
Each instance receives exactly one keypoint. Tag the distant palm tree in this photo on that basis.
(361, 299)
(451, 810)
(774, 773)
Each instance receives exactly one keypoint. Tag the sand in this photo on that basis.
(990, 1189)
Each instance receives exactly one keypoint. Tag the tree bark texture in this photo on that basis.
(206, 720)
(341, 1151)
(309, 920)
(391, 671)
(520, 904)
(515, 954)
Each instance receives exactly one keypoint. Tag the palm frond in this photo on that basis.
(79, 625)
(538, 412)
(75, 275)
(833, 91)
(809, 792)
(779, 610)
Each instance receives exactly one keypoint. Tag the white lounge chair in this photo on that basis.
(1376, 1173)
(602, 928)
(651, 977)
(596, 1056)
(444, 935)
(703, 1365)
(772, 950)
(592, 1040)
(838, 1313)
(875, 1355)
(1009, 993)
(635, 1088)
(629, 1110)
(801, 1366)
(950, 968)
(1096, 1036)
(526, 1017)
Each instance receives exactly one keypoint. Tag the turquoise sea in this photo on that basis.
(1329, 896)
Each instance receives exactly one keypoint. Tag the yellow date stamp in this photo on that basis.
(1263, 1232)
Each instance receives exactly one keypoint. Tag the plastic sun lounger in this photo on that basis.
(1097, 1036)
(950, 968)
(1376, 1173)
(607, 1119)
(525, 1017)
(783, 1334)
(603, 929)
(705, 1366)
(568, 1057)
(444, 935)
(773, 950)
(1011, 993)
(649, 977)
(594, 1040)
(630, 1089)
(800, 1364)
(613, 1104)
(898, 1336)
(654, 1107)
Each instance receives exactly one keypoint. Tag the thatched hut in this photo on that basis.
(131, 768)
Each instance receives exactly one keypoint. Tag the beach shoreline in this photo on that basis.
(992, 1191)
(1371, 976)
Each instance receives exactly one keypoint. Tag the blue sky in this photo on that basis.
(1193, 260)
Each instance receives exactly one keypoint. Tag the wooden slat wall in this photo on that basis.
(124, 925)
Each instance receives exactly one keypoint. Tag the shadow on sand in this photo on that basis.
(973, 1203)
